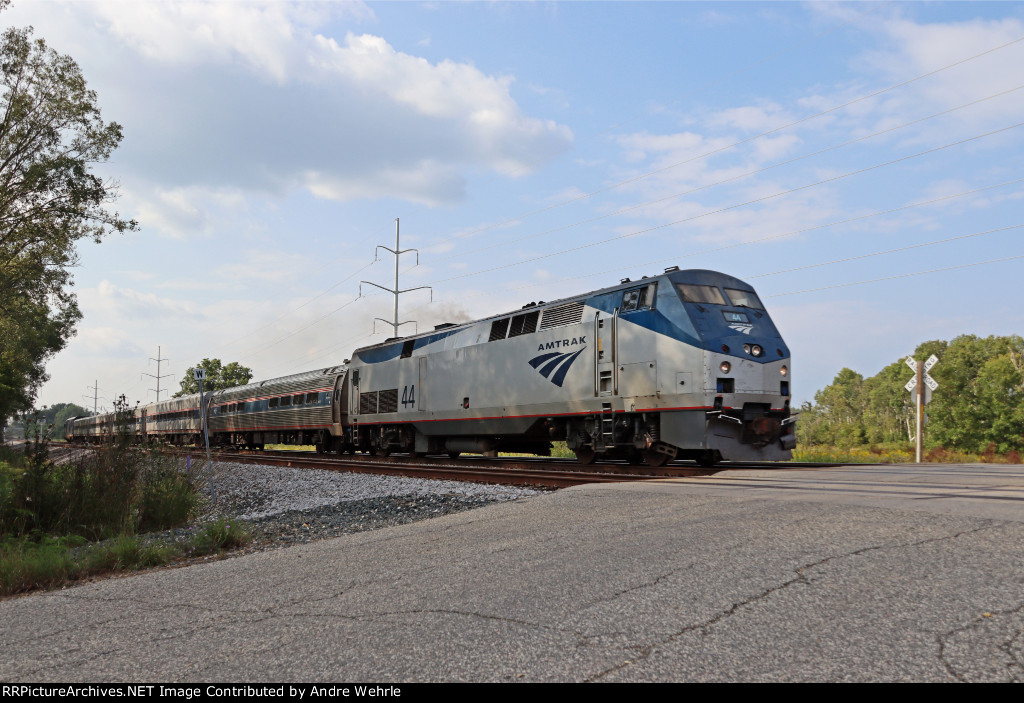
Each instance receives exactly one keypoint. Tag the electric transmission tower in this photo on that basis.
(396, 292)
(158, 361)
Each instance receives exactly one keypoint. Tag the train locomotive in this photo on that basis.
(683, 365)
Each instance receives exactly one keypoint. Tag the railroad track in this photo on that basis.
(515, 472)
(518, 471)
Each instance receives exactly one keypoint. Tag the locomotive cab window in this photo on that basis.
(638, 298)
(693, 293)
(744, 298)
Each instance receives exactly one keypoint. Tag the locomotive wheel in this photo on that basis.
(585, 455)
(454, 455)
(653, 458)
(635, 458)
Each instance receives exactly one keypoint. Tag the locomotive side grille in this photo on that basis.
(524, 324)
(368, 403)
(568, 314)
(388, 401)
(499, 328)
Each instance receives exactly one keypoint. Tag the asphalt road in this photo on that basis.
(858, 574)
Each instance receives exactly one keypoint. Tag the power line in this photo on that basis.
(294, 310)
(730, 207)
(783, 235)
(734, 178)
(887, 251)
(738, 143)
(700, 89)
(902, 275)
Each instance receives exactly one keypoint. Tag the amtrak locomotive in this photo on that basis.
(687, 364)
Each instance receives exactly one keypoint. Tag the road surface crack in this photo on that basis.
(644, 651)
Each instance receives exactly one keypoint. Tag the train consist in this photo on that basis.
(687, 364)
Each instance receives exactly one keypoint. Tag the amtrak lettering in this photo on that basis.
(553, 366)
(562, 343)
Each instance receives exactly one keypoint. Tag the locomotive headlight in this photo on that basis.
(725, 366)
(784, 371)
(756, 350)
(746, 348)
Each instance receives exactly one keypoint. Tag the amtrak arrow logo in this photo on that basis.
(555, 365)
(740, 327)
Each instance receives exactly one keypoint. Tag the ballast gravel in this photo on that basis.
(288, 506)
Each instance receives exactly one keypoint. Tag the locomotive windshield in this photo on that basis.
(744, 298)
(693, 293)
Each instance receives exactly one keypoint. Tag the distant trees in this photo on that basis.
(217, 377)
(51, 134)
(980, 400)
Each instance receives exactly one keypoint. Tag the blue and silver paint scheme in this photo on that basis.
(630, 369)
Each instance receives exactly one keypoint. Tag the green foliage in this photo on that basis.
(222, 533)
(127, 553)
(217, 377)
(979, 403)
(26, 565)
(51, 134)
(113, 490)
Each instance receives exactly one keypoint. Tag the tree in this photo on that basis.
(217, 377)
(51, 134)
(979, 402)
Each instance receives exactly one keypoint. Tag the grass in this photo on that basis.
(901, 454)
(28, 564)
(62, 523)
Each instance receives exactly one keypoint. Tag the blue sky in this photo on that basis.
(824, 152)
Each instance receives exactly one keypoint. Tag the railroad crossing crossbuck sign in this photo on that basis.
(922, 394)
(928, 380)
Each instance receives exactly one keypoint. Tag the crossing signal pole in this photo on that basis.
(921, 386)
(396, 292)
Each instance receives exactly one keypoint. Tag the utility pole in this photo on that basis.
(95, 396)
(158, 361)
(396, 292)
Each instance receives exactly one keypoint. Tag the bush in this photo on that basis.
(112, 490)
(222, 533)
(26, 565)
(126, 553)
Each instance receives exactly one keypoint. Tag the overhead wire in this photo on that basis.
(902, 275)
(648, 174)
(791, 233)
(734, 144)
(716, 211)
(887, 251)
(292, 311)
(740, 176)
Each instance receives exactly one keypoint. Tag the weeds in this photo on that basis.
(221, 534)
(49, 511)
(898, 455)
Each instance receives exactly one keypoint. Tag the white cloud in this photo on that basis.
(255, 97)
(112, 301)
